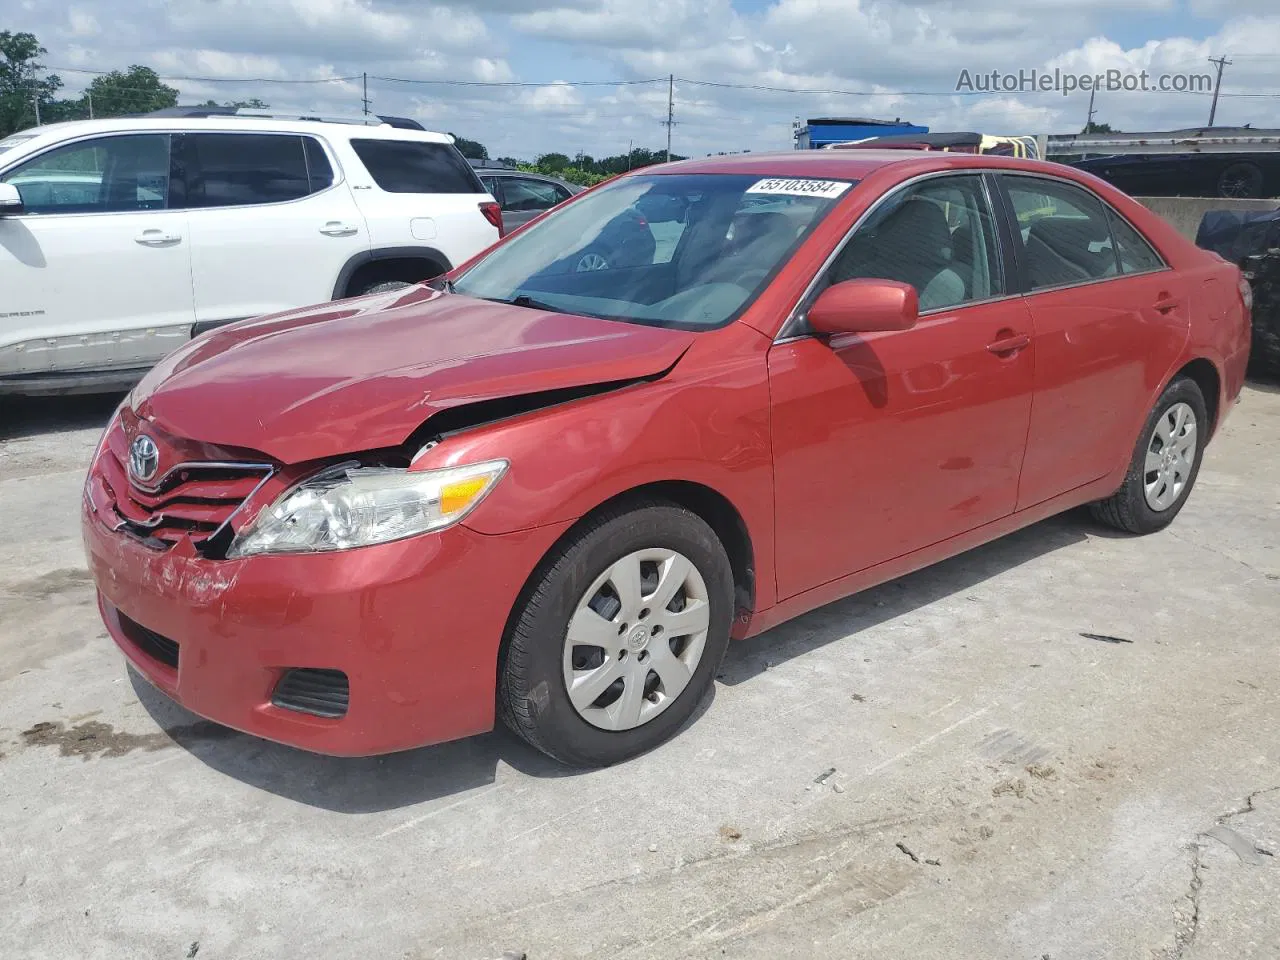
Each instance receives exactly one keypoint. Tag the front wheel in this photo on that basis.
(1164, 465)
(620, 636)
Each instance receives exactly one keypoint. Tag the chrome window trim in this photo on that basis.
(794, 317)
(338, 179)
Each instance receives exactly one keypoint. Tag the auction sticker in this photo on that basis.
(779, 186)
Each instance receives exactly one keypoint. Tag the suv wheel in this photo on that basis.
(382, 286)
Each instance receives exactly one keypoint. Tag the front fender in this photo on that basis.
(705, 423)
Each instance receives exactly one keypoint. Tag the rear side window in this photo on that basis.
(244, 169)
(408, 166)
(1065, 235)
(1136, 255)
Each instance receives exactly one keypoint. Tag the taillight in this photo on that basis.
(493, 213)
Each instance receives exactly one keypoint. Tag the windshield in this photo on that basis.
(687, 251)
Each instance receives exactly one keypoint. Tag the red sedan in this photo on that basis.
(552, 490)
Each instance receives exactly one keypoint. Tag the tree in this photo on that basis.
(254, 104)
(1092, 127)
(136, 90)
(553, 162)
(471, 149)
(21, 83)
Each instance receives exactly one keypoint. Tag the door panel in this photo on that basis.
(888, 442)
(270, 228)
(96, 274)
(1101, 350)
(1105, 331)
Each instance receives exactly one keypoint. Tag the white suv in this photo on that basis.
(121, 239)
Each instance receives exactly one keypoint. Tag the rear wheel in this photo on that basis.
(1240, 180)
(591, 260)
(620, 636)
(1164, 465)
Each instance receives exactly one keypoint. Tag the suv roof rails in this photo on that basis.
(489, 164)
(206, 111)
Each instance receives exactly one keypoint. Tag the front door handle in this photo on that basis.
(336, 228)
(157, 238)
(1009, 343)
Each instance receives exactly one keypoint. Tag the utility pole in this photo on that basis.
(631, 148)
(1221, 62)
(89, 96)
(1088, 124)
(671, 111)
(36, 100)
(365, 95)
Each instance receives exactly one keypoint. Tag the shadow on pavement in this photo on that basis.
(28, 416)
(346, 784)
(749, 658)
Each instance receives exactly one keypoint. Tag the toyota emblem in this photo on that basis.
(144, 458)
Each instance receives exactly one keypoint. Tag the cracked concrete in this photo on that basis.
(1055, 795)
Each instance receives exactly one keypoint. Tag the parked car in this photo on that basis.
(552, 496)
(524, 196)
(121, 239)
(1234, 175)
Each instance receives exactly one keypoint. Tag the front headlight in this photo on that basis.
(354, 506)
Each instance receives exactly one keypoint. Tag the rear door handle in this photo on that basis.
(1009, 344)
(336, 228)
(157, 238)
(1166, 304)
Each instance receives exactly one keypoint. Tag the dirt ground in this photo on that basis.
(1063, 745)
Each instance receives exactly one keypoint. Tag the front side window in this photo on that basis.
(1065, 235)
(938, 236)
(245, 169)
(107, 175)
(415, 166)
(689, 251)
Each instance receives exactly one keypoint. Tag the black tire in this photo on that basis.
(1127, 509)
(1242, 180)
(382, 286)
(532, 696)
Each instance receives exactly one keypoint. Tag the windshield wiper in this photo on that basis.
(524, 300)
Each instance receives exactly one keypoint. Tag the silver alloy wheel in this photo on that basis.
(635, 639)
(590, 262)
(1171, 455)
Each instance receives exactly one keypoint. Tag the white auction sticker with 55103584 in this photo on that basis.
(781, 186)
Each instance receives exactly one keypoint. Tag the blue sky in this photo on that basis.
(883, 47)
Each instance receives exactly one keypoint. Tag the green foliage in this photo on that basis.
(588, 171)
(136, 90)
(1092, 127)
(254, 104)
(21, 83)
(471, 149)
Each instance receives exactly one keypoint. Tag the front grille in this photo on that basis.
(151, 643)
(192, 499)
(321, 693)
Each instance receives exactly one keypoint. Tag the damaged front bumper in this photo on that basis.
(413, 625)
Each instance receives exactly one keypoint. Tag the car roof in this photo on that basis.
(243, 124)
(846, 164)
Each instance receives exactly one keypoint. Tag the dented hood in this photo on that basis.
(364, 374)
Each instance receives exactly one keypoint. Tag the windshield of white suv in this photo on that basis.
(690, 251)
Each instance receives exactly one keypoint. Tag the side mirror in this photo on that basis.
(10, 200)
(865, 306)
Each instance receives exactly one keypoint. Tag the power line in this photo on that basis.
(522, 83)
(103, 73)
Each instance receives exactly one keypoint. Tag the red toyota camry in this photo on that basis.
(684, 406)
